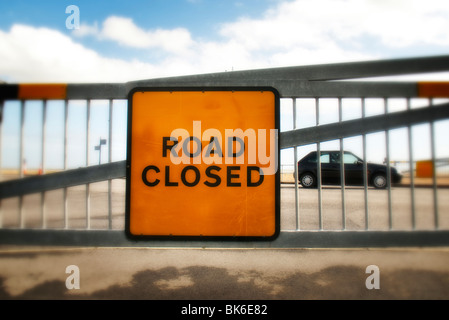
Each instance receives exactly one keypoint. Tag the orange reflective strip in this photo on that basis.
(42, 91)
(433, 89)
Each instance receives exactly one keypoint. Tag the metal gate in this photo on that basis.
(323, 107)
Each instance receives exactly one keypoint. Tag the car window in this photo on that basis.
(325, 158)
(349, 158)
(335, 157)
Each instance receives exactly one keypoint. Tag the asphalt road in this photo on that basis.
(354, 217)
(221, 274)
(255, 274)
(332, 217)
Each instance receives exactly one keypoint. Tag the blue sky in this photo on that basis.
(147, 14)
(201, 18)
(119, 41)
(129, 40)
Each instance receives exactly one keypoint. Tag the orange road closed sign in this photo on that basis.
(203, 163)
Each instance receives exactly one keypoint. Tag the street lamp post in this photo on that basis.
(98, 148)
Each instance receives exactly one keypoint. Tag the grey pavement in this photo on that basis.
(32, 272)
(224, 274)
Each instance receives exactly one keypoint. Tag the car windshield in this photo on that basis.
(350, 158)
(334, 157)
(325, 158)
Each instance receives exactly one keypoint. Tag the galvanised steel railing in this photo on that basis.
(313, 85)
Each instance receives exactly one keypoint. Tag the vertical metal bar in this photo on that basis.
(434, 176)
(412, 172)
(66, 118)
(99, 152)
(109, 160)
(111, 106)
(87, 163)
(42, 168)
(2, 105)
(22, 128)
(44, 132)
(365, 169)
(342, 170)
(295, 169)
(66, 115)
(320, 207)
(387, 147)
(21, 157)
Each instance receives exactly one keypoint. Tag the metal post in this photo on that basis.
(99, 154)
(434, 176)
(87, 163)
(44, 133)
(365, 169)
(320, 207)
(42, 168)
(387, 147)
(22, 129)
(21, 166)
(109, 160)
(110, 130)
(295, 170)
(2, 104)
(98, 148)
(412, 174)
(66, 115)
(342, 170)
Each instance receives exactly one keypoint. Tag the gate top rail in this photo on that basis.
(298, 81)
(286, 89)
(324, 72)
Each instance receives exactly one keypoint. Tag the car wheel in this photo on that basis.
(308, 180)
(380, 181)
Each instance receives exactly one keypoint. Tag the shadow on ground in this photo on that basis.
(210, 283)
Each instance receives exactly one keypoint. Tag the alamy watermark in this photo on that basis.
(73, 20)
(210, 147)
(373, 280)
(256, 150)
(73, 280)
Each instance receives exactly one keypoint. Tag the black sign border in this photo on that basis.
(134, 237)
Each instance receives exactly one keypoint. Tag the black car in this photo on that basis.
(353, 167)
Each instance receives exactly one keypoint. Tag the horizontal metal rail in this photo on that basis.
(286, 88)
(304, 239)
(366, 125)
(335, 71)
(300, 81)
(288, 139)
(63, 179)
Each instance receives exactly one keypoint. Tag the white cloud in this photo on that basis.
(408, 22)
(290, 33)
(125, 32)
(313, 24)
(45, 55)
(87, 30)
